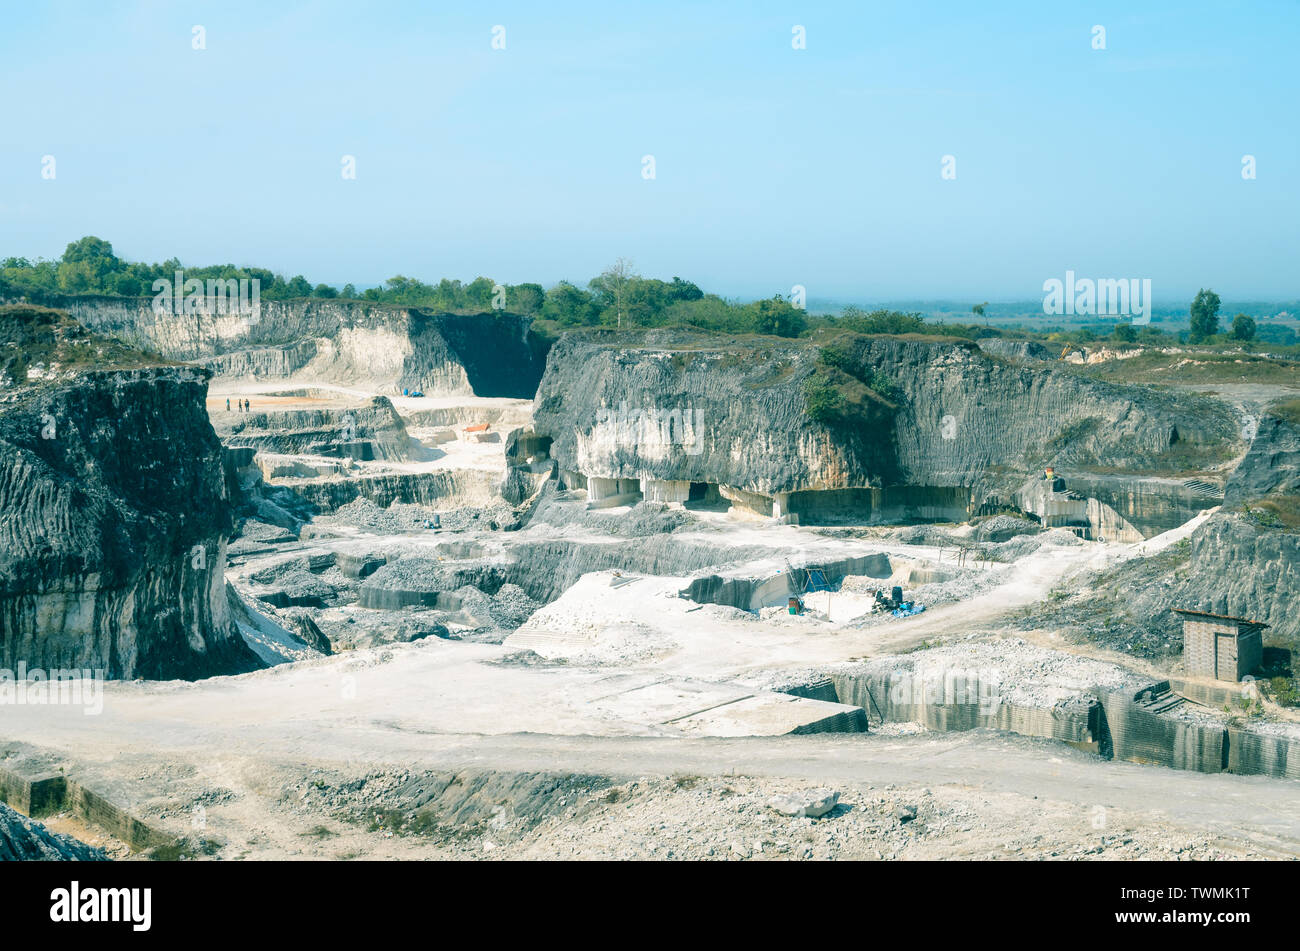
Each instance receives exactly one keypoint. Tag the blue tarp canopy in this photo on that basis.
(817, 580)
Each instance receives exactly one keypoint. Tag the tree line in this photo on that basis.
(617, 298)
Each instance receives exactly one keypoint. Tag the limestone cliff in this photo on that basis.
(372, 346)
(1243, 561)
(965, 416)
(681, 408)
(676, 406)
(114, 515)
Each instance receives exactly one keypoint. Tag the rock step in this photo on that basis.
(1206, 489)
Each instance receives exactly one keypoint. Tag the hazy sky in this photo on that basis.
(774, 166)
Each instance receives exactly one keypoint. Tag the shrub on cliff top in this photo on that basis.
(823, 402)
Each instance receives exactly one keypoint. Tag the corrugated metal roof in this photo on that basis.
(1220, 617)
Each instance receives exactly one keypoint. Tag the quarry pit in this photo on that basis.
(502, 626)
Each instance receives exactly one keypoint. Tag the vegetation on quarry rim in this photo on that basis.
(40, 338)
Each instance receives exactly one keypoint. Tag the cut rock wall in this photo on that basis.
(677, 407)
(113, 529)
(382, 348)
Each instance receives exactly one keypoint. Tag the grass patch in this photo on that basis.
(1283, 691)
(1281, 511)
(1194, 366)
(922, 646)
(843, 394)
(319, 832)
(398, 822)
(1286, 410)
(34, 338)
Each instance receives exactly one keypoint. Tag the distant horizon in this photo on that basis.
(916, 301)
(957, 307)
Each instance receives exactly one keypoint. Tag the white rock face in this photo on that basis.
(812, 804)
(672, 490)
(379, 348)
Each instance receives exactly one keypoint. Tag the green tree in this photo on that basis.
(1204, 315)
(86, 265)
(681, 290)
(646, 300)
(1243, 327)
(881, 321)
(710, 312)
(478, 293)
(78, 277)
(570, 306)
(527, 299)
(90, 249)
(777, 317)
(128, 285)
(1124, 333)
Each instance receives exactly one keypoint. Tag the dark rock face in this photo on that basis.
(1245, 570)
(1238, 563)
(1020, 418)
(114, 515)
(487, 354)
(731, 414)
(1244, 561)
(1151, 504)
(500, 356)
(1270, 468)
(1228, 566)
(25, 840)
(302, 625)
(678, 407)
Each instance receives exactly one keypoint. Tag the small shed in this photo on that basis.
(1219, 646)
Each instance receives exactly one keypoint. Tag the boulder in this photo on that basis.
(812, 804)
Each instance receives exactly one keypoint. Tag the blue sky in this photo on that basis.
(774, 166)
